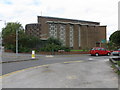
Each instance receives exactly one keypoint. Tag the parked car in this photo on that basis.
(99, 51)
(116, 52)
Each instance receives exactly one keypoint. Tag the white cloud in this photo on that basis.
(26, 11)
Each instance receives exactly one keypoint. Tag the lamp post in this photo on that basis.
(16, 42)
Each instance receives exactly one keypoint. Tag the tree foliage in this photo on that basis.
(55, 41)
(11, 29)
(25, 42)
(54, 44)
(115, 38)
(9, 34)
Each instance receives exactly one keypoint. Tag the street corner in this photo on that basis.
(64, 75)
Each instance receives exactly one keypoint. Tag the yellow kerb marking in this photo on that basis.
(34, 67)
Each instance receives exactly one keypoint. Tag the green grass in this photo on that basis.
(78, 50)
(118, 62)
(115, 70)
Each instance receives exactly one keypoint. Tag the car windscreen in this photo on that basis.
(96, 49)
(93, 49)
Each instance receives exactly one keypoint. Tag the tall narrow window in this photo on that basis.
(79, 33)
(53, 30)
(62, 34)
(71, 36)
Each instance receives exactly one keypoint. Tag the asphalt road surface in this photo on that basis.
(42, 60)
(96, 73)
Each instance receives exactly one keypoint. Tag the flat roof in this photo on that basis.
(33, 24)
(68, 19)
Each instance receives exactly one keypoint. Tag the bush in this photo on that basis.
(53, 40)
(55, 48)
(10, 47)
(115, 38)
(66, 49)
(50, 47)
(24, 49)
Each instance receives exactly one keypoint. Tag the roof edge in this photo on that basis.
(68, 19)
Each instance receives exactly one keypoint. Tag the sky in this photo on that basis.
(26, 11)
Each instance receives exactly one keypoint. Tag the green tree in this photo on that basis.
(55, 41)
(115, 38)
(25, 42)
(11, 29)
(9, 34)
(54, 44)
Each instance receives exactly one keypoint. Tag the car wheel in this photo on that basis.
(108, 54)
(96, 54)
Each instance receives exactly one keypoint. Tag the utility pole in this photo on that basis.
(16, 42)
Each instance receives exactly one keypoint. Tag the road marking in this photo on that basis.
(72, 61)
(22, 70)
(36, 67)
(90, 59)
(49, 56)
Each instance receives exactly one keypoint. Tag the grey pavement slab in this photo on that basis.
(90, 74)
(6, 57)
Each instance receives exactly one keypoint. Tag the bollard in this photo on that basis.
(33, 54)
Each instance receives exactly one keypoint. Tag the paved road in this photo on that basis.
(84, 74)
(42, 59)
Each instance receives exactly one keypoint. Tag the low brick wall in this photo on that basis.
(8, 51)
(63, 53)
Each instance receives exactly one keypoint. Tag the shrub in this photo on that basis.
(66, 49)
(24, 49)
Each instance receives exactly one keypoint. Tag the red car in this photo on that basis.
(99, 51)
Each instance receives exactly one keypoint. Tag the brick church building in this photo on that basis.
(76, 34)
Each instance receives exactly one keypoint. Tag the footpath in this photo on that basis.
(12, 57)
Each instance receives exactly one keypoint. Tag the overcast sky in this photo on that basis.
(26, 11)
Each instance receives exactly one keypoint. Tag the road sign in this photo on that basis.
(103, 41)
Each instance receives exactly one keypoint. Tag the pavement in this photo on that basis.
(82, 74)
(12, 57)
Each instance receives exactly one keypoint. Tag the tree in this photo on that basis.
(53, 40)
(115, 38)
(9, 34)
(54, 44)
(11, 29)
(25, 42)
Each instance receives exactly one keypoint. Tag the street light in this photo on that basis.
(16, 42)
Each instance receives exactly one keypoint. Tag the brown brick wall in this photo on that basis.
(89, 34)
(33, 29)
(84, 40)
(67, 35)
(76, 41)
(92, 34)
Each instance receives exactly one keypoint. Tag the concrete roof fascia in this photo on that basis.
(59, 22)
(69, 19)
(33, 23)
